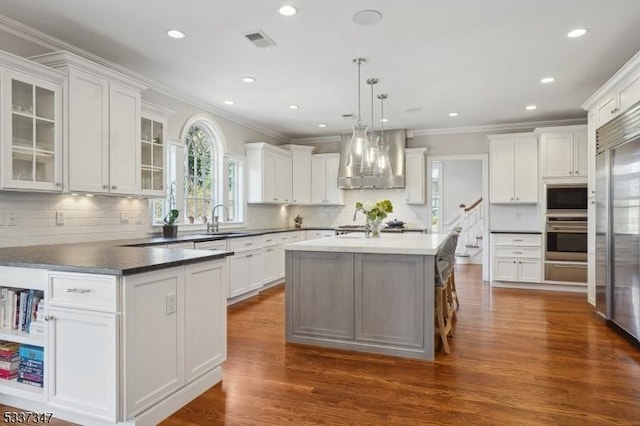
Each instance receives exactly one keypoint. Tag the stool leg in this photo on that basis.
(440, 295)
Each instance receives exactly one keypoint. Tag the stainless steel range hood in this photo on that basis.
(351, 179)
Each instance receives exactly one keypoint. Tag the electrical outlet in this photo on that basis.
(12, 219)
(170, 303)
(124, 218)
(138, 218)
(60, 218)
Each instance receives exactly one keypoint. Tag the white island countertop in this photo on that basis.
(420, 244)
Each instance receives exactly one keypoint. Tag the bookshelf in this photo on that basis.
(25, 279)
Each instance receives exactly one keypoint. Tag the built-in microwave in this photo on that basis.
(568, 198)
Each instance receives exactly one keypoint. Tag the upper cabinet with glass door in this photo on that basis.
(32, 127)
(153, 150)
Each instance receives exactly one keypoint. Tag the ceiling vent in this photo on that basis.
(349, 116)
(259, 39)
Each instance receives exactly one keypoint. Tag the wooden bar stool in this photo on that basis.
(444, 264)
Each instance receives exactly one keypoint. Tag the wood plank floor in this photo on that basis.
(518, 358)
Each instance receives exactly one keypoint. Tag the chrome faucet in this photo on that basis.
(214, 225)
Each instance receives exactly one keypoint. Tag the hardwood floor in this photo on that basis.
(518, 358)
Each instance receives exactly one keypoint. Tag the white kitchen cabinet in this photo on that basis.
(514, 169)
(312, 235)
(154, 337)
(246, 272)
(415, 184)
(516, 257)
(31, 125)
(83, 349)
(271, 259)
(564, 152)
(205, 301)
(102, 114)
(301, 173)
(269, 173)
(324, 179)
(625, 94)
(153, 150)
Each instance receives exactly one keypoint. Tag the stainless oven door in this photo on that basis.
(566, 241)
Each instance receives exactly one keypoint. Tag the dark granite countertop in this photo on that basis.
(127, 257)
(103, 258)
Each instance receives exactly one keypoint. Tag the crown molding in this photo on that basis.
(45, 40)
(492, 128)
(632, 65)
(318, 139)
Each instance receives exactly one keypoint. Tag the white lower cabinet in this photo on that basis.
(83, 348)
(205, 317)
(154, 333)
(83, 359)
(516, 257)
(246, 272)
(271, 256)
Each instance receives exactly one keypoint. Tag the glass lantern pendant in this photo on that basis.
(357, 146)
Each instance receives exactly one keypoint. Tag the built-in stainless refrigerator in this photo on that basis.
(618, 222)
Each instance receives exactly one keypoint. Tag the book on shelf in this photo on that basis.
(9, 349)
(30, 382)
(8, 375)
(31, 352)
(19, 307)
(10, 365)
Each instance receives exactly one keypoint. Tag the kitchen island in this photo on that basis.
(129, 335)
(364, 294)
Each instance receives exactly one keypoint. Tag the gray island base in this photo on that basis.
(363, 294)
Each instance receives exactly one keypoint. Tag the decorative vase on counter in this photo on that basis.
(169, 231)
(372, 227)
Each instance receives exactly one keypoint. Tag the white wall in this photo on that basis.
(461, 184)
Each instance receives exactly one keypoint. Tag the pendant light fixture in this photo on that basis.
(383, 163)
(369, 162)
(359, 143)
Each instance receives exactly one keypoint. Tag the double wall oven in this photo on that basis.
(566, 233)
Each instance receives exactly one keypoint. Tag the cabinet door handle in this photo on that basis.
(514, 261)
(114, 187)
(269, 241)
(517, 252)
(570, 172)
(593, 201)
(576, 172)
(105, 186)
(613, 111)
(511, 198)
(517, 198)
(78, 290)
(49, 318)
(58, 184)
(248, 256)
(248, 244)
(517, 241)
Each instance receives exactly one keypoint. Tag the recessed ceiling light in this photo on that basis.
(293, 107)
(229, 102)
(288, 10)
(322, 125)
(384, 120)
(531, 107)
(578, 32)
(176, 34)
(367, 17)
(453, 114)
(547, 80)
(248, 79)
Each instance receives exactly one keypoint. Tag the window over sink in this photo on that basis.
(201, 175)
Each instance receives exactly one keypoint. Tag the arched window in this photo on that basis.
(201, 175)
(200, 178)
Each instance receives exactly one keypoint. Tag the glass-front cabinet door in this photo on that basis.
(152, 143)
(32, 133)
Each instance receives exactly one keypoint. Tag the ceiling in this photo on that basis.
(482, 59)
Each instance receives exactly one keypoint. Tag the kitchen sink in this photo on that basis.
(222, 234)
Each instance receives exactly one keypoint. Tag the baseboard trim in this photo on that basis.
(539, 286)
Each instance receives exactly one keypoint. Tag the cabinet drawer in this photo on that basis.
(270, 240)
(245, 243)
(211, 245)
(518, 240)
(295, 236)
(518, 252)
(83, 291)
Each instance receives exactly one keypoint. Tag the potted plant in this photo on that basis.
(298, 221)
(170, 228)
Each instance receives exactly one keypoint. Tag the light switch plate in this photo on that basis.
(12, 219)
(60, 218)
(124, 218)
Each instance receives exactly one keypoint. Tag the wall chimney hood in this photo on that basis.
(351, 179)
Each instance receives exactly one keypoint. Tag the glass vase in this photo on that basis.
(372, 228)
